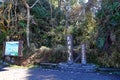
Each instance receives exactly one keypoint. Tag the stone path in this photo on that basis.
(47, 74)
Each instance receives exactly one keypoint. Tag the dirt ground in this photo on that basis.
(8, 73)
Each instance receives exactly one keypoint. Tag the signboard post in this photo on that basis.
(12, 49)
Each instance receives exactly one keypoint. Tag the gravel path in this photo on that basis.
(46, 74)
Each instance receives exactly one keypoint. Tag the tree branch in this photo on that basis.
(34, 3)
(25, 3)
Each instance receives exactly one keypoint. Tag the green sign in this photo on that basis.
(11, 48)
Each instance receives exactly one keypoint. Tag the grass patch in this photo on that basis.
(27, 67)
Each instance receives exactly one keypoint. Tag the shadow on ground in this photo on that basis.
(2, 68)
(50, 74)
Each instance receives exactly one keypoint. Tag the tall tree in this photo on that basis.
(28, 19)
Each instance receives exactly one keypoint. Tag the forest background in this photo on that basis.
(43, 30)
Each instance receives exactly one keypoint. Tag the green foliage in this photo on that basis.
(77, 34)
(104, 59)
(92, 56)
(40, 12)
(100, 42)
(108, 38)
(47, 28)
(109, 61)
(59, 55)
(2, 38)
(47, 31)
(22, 23)
(108, 19)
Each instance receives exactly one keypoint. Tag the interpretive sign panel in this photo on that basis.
(13, 48)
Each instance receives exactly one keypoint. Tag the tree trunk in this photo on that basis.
(28, 19)
(51, 11)
(27, 28)
(59, 3)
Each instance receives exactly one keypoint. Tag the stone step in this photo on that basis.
(78, 70)
(78, 67)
